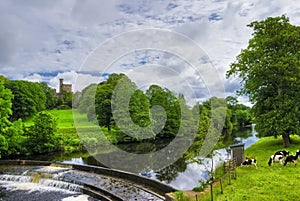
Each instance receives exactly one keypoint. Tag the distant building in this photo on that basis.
(63, 87)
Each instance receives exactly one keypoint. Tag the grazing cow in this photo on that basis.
(283, 152)
(276, 158)
(249, 161)
(292, 158)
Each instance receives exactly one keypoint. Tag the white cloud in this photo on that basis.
(34, 78)
(57, 36)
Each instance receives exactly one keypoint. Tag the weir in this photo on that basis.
(98, 182)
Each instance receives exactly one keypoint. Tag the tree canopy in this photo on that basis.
(29, 98)
(269, 69)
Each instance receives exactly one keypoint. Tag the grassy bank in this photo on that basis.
(70, 140)
(274, 183)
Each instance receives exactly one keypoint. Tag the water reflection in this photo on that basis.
(246, 136)
(185, 176)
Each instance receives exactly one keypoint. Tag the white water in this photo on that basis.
(77, 198)
(18, 180)
(60, 184)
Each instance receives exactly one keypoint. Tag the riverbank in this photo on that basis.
(274, 183)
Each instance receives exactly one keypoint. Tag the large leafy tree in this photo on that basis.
(270, 72)
(171, 108)
(10, 133)
(5, 111)
(29, 98)
(103, 100)
(87, 101)
(42, 136)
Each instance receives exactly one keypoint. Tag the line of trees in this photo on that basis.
(172, 116)
(32, 97)
(136, 111)
(20, 100)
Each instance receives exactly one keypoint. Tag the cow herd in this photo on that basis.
(283, 157)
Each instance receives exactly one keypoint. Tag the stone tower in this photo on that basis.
(61, 84)
(64, 87)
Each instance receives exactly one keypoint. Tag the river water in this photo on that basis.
(182, 174)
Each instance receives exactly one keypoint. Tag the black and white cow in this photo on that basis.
(249, 161)
(276, 159)
(292, 158)
(282, 152)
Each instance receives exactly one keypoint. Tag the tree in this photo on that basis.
(269, 69)
(65, 100)
(103, 100)
(5, 111)
(87, 101)
(51, 99)
(42, 136)
(11, 138)
(29, 98)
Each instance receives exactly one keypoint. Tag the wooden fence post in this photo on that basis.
(221, 185)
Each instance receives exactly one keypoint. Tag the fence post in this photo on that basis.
(211, 192)
(221, 185)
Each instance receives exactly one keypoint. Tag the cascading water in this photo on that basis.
(16, 178)
(39, 181)
(46, 176)
(60, 184)
(36, 183)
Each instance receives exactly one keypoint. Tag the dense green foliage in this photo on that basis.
(41, 136)
(10, 132)
(151, 115)
(29, 98)
(240, 114)
(65, 100)
(51, 99)
(121, 106)
(119, 103)
(270, 71)
(87, 100)
(21, 100)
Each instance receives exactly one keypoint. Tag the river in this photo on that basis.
(182, 174)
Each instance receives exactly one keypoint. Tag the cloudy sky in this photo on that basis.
(51, 39)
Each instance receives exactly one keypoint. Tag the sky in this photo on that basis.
(43, 41)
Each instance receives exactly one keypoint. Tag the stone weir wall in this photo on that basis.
(153, 185)
(156, 186)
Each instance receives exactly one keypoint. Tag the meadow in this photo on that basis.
(266, 183)
(71, 141)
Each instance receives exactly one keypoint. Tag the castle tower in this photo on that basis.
(61, 84)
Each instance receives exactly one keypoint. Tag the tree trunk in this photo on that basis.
(286, 140)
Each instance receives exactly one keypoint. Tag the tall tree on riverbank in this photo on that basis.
(29, 98)
(270, 72)
(10, 132)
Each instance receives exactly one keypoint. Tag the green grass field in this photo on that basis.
(65, 119)
(71, 141)
(270, 183)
